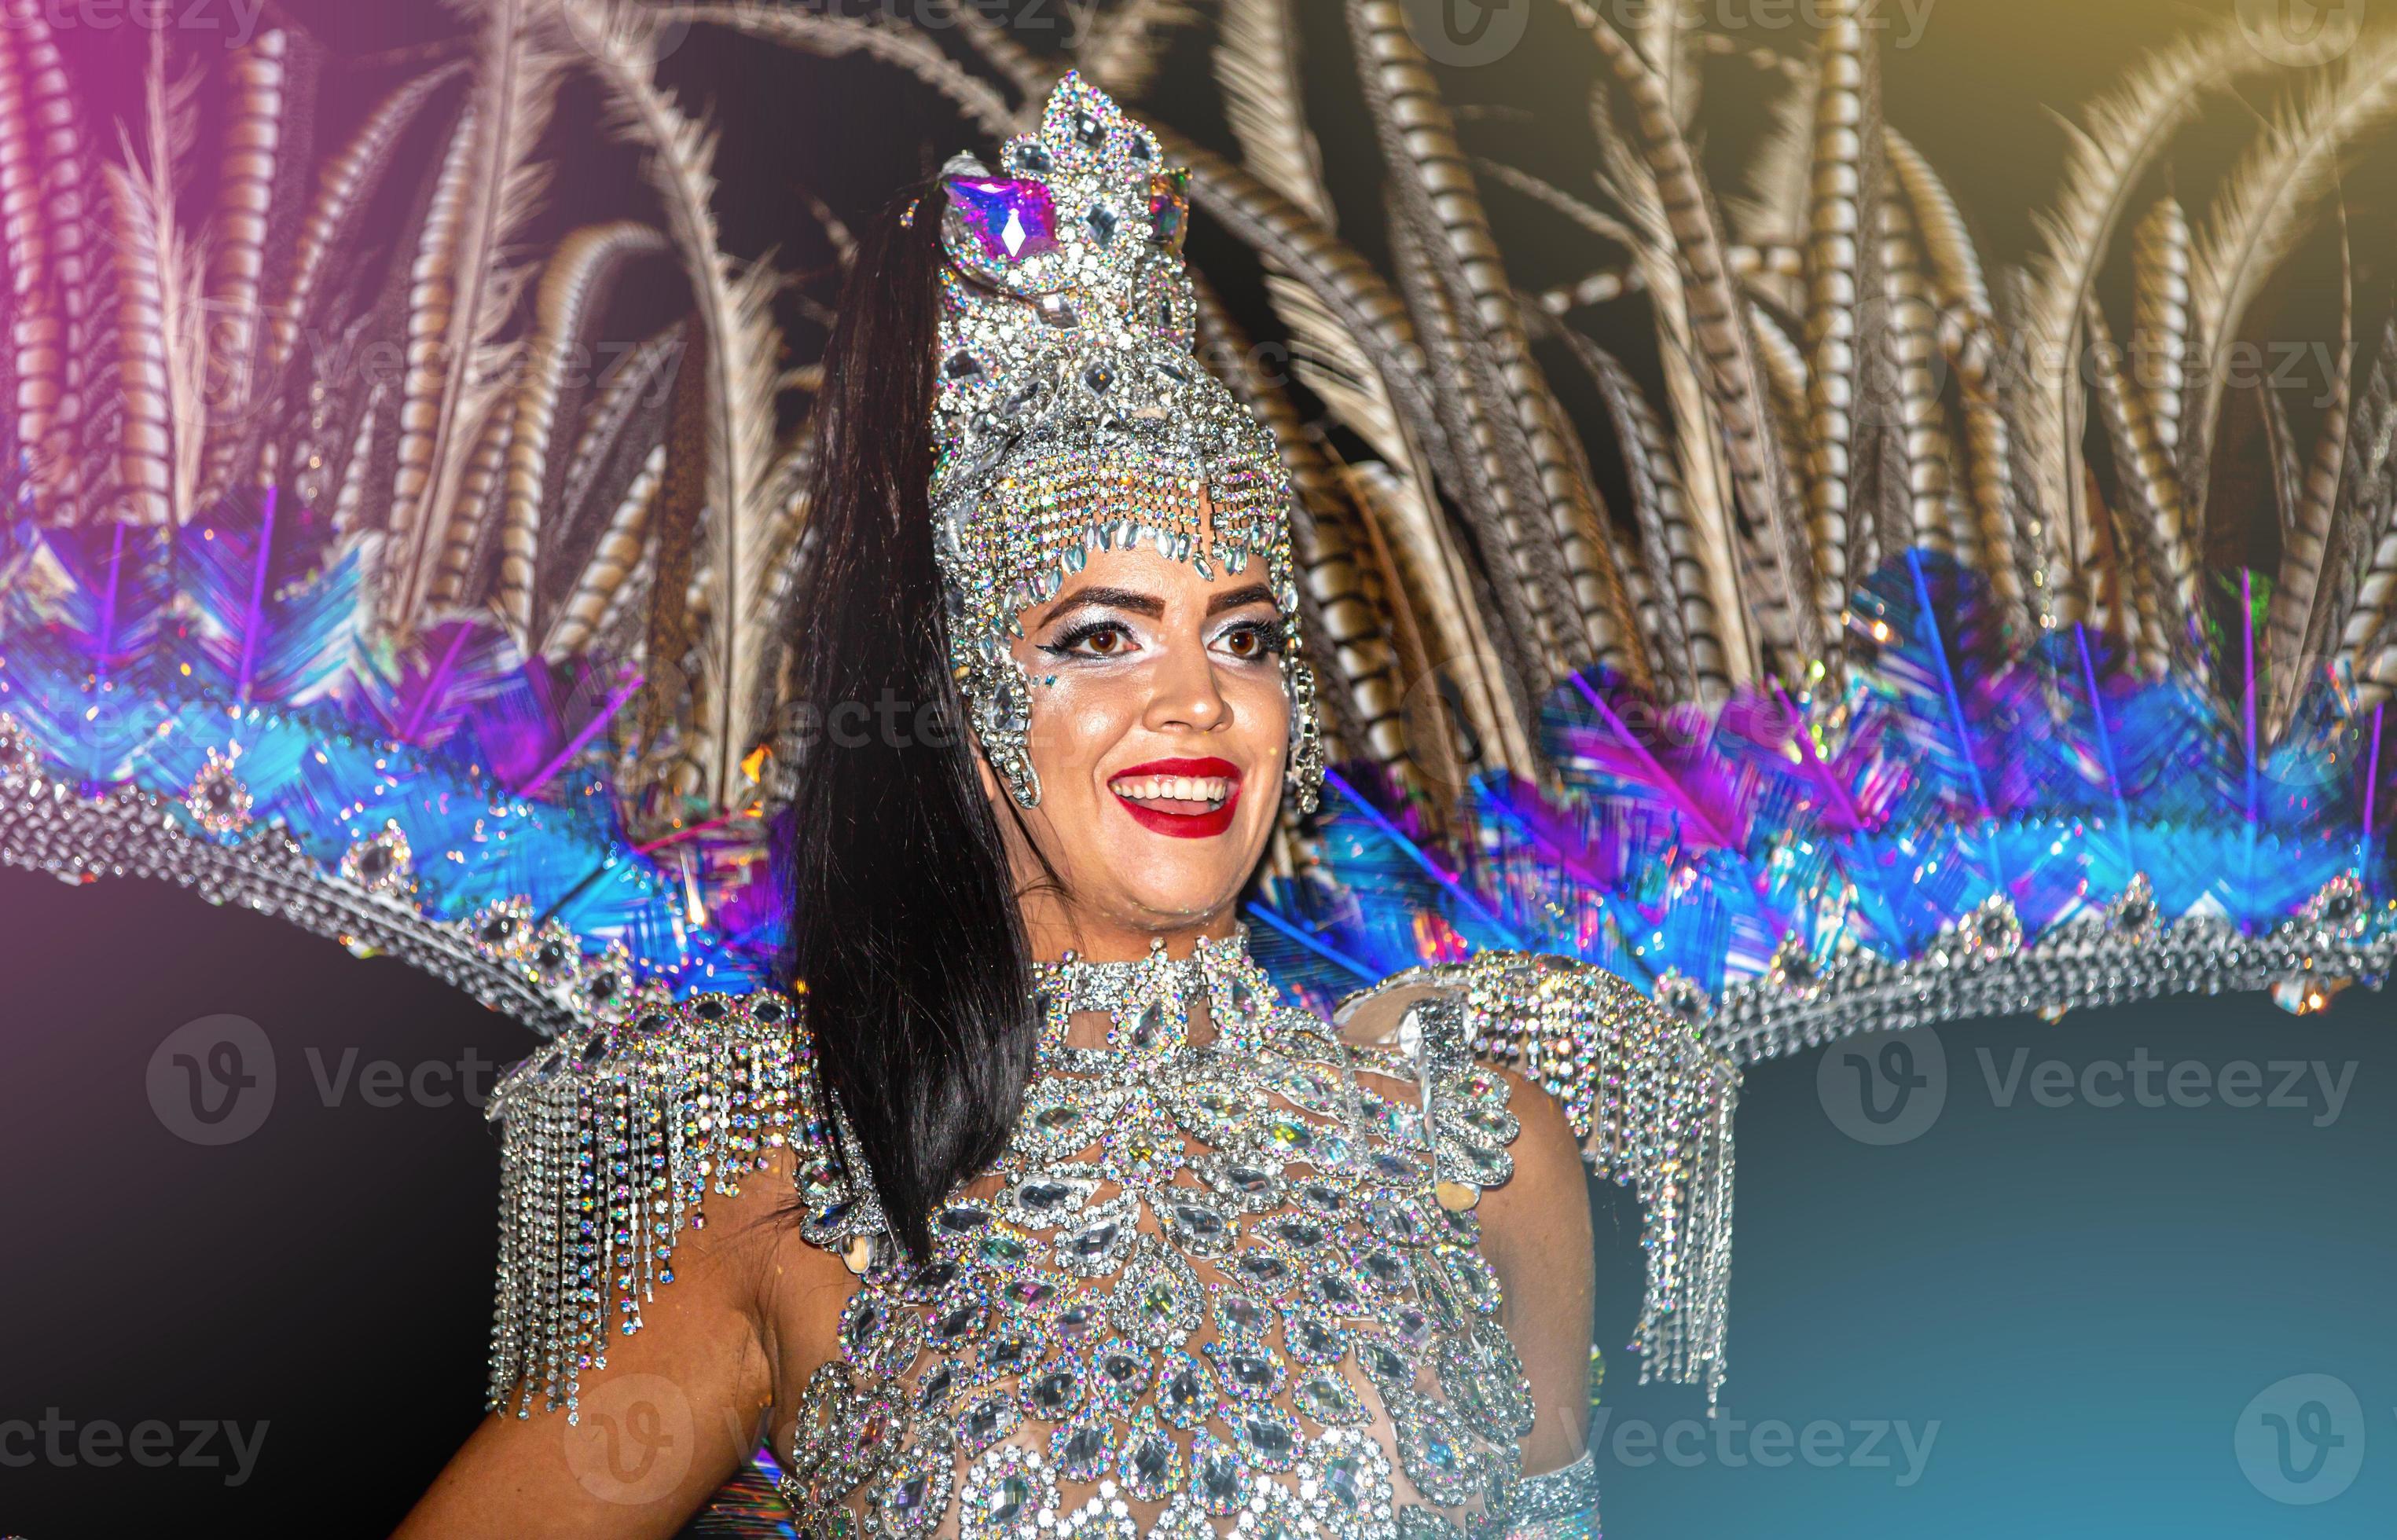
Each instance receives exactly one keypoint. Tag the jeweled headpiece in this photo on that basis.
(1073, 413)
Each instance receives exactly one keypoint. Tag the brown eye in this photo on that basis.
(1243, 644)
(1105, 642)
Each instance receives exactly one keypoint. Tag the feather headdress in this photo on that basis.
(1919, 672)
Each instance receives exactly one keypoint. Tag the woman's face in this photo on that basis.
(1160, 732)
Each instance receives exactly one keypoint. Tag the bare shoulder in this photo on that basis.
(661, 1267)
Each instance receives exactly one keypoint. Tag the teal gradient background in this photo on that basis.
(2084, 1299)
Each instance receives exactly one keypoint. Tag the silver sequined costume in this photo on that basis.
(1234, 1288)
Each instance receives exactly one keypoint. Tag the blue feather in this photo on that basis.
(273, 601)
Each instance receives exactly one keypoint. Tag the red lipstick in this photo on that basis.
(1183, 825)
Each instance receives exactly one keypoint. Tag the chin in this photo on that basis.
(1179, 898)
(1178, 885)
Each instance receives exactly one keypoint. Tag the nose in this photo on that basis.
(1187, 698)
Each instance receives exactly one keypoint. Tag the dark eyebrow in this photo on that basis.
(1255, 593)
(1109, 598)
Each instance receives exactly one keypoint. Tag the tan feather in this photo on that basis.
(1784, 361)
(1968, 332)
(567, 288)
(1367, 309)
(1718, 326)
(349, 494)
(1700, 462)
(1603, 287)
(609, 573)
(2160, 297)
(1664, 31)
(1842, 269)
(1256, 65)
(1336, 282)
(740, 344)
(996, 47)
(1557, 543)
(1406, 535)
(1953, 263)
(252, 139)
(1597, 221)
(1968, 335)
(463, 287)
(2281, 450)
(1779, 179)
(161, 325)
(1606, 284)
(2371, 502)
(1914, 348)
(2264, 206)
(36, 328)
(641, 375)
(2297, 613)
(2150, 526)
(1680, 564)
(79, 273)
(342, 186)
(1497, 521)
(2125, 130)
(478, 496)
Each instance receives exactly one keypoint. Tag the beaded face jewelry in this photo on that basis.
(1073, 412)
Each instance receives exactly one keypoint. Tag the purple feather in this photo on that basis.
(424, 694)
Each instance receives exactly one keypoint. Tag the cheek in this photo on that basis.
(1260, 706)
(1076, 720)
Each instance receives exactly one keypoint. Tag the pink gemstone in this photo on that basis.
(1012, 217)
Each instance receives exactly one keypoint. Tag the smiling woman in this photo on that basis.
(1091, 1228)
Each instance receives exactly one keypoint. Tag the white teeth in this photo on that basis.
(1211, 790)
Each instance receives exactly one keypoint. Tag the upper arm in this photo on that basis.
(1536, 1231)
(612, 1144)
(675, 1414)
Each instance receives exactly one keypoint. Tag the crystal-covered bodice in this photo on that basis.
(1231, 1287)
(1234, 1288)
